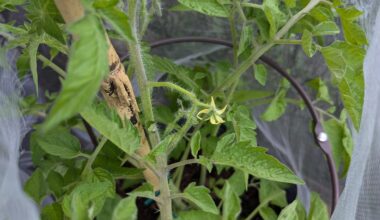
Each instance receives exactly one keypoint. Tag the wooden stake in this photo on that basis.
(117, 88)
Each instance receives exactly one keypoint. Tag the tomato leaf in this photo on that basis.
(88, 64)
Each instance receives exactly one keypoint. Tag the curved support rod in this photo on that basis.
(319, 133)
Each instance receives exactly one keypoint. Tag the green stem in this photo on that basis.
(234, 36)
(145, 164)
(288, 41)
(93, 156)
(237, 5)
(177, 176)
(179, 89)
(137, 60)
(182, 163)
(251, 5)
(293, 20)
(203, 175)
(166, 212)
(263, 204)
(144, 14)
(243, 67)
(264, 48)
(327, 114)
(181, 133)
(52, 65)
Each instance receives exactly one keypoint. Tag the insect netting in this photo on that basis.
(361, 196)
(14, 204)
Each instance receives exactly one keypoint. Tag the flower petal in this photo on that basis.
(219, 120)
(213, 120)
(213, 106)
(221, 111)
(204, 111)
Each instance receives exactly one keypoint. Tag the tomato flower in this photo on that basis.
(212, 113)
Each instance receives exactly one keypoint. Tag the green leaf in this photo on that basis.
(308, 44)
(252, 160)
(10, 5)
(270, 192)
(52, 212)
(36, 186)
(101, 175)
(349, 13)
(104, 3)
(260, 73)
(318, 209)
(23, 64)
(56, 184)
(119, 21)
(290, 3)
(239, 182)
(244, 126)
(204, 161)
(126, 209)
(274, 15)
(322, 90)
(88, 64)
(268, 213)
(195, 143)
(86, 200)
(326, 28)
(278, 105)
(353, 32)
(108, 208)
(245, 95)
(179, 72)
(145, 191)
(45, 16)
(32, 51)
(59, 142)
(294, 211)
(245, 39)
(341, 143)
(196, 215)
(322, 13)
(123, 135)
(345, 62)
(161, 148)
(208, 7)
(199, 195)
(231, 203)
(54, 44)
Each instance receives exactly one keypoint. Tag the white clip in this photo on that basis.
(322, 137)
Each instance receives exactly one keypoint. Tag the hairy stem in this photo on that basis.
(93, 156)
(179, 89)
(182, 163)
(185, 128)
(166, 212)
(52, 65)
(137, 60)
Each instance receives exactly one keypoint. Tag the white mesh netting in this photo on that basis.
(361, 196)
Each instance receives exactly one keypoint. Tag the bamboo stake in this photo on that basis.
(117, 88)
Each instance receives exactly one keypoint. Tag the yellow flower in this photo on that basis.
(212, 113)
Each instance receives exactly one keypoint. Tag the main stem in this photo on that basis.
(166, 212)
(142, 81)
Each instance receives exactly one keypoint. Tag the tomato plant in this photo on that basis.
(140, 148)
